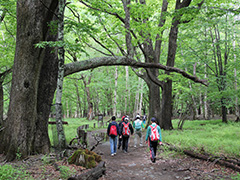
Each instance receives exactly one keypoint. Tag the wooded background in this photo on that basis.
(188, 53)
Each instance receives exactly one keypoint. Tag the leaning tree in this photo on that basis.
(143, 24)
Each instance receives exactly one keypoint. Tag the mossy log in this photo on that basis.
(93, 174)
(85, 158)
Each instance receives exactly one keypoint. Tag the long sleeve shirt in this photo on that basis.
(109, 126)
(149, 131)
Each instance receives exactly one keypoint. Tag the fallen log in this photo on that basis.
(208, 157)
(212, 159)
(92, 174)
(54, 122)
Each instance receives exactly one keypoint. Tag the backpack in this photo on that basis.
(154, 133)
(126, 130)
(113, 130)
(138, 125)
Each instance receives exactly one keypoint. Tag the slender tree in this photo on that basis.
(58, 104)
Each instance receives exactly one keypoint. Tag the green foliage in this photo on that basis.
(66, 172)
(237, 177)
(212, 136)
(9, 172)
(18, 154)
(70, 130)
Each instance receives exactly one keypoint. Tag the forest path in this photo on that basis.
(136, 165)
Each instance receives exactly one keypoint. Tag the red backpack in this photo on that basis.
(126, 130)
(113, 130)
(154, 133)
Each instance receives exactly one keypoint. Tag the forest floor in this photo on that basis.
(135, 164)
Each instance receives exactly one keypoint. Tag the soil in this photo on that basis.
(135, 164)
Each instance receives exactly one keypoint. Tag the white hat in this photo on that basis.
(138, 116)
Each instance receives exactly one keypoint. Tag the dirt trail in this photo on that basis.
(136, 164)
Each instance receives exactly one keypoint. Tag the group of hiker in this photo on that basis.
(119, 133)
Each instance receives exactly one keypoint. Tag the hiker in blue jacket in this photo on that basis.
(153, 138)
(113, 131)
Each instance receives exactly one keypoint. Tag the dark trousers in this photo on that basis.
(119, 142)
(125, 143)
(153, 149)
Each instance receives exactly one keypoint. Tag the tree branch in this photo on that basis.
(123, 61)
(102, 10)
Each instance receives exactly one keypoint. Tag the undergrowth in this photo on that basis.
(9, 172)
(210, 136)
(70, 130)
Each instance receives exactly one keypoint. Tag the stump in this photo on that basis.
(85, 158)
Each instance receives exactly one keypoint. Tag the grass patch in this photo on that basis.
(70, 130)
(9, 172)
(212, 136)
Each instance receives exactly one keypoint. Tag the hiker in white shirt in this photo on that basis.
(138, 126)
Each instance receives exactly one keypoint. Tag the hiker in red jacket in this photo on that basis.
(126, 129)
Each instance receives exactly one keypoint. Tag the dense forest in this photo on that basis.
(80, 58)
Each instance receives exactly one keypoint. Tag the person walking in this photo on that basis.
(138, 127)
(153, 138)
(113, 131)
(144, 118)
(120, 137)
(126, 129)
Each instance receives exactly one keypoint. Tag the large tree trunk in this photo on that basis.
(154, 102)
(19, 135)
(46, 89)
(166, 122)
(172, 48)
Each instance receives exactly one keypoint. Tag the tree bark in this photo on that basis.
(126, 92)
(58, 104)
(74, 67)
(79, 108)
(2, 77)
(19, 135)
(115, 92)
(1, 103)
(166, 122)
(154, 101)
(237, 109)
(87, 90)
